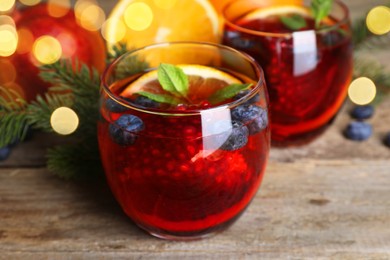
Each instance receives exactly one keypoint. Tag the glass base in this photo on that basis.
(188, 236)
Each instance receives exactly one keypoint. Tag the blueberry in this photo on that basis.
(114, 106)
(146, 102)
(238, 137)
(243, 93)
(358, 131)
(387, 140)
(362, 112)
(124, 130)
(333, 38)
(252, 116)
(4, 153)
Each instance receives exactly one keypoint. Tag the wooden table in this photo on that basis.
(329, 199)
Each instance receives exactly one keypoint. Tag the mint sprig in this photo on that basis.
(176, 84)
(294, 22)
(173, 79)
(228, 92)
(320, 9)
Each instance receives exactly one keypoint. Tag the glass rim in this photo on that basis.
(342, 21)
(175, 112)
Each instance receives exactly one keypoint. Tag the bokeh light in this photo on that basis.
(118, 34)
(30, 2)
(92, 18)
(26, 39)
(58, 8)
(8, 36)
(89, 15)
(64, 121)
(47, 49)
(362, 91)
(6, 5)
(138, 16)
(378, 20)
(165, 4)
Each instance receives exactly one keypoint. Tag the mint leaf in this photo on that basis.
(161, 98)
(173, 79)
(320, 9)
(294, 22)
(227, 92)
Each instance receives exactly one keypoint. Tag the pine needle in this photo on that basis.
(79, 161)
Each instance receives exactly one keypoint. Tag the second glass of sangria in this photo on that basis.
(306, 57)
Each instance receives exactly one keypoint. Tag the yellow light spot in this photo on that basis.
(47, 49)
(64, 121)
(138, 16)
(6, 5)
(165, 4)
(92, 17)
(26, 40)
(81, 5)
(362, 91)
(378, 20)
(58, 8)
(119, 32)
(30, 2)
(8, 39)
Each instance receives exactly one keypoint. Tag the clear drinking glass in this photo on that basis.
(307, 69)
(189, 170)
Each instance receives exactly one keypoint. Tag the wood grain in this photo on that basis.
(309, 208)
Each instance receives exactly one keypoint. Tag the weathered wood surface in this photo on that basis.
(328, 199)
(308, 208)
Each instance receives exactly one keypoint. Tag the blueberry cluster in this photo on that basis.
(359, 130)
(247, 119)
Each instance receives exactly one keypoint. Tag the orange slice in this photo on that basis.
(276, 11)
(220, 4)
(142, 22)
(203, 82)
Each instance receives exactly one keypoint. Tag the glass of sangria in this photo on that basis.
(307, 60)
(184, 160)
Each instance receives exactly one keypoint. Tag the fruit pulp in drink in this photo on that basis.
(169, 181)
(307, 72)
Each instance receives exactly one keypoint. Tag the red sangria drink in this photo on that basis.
(184, 136)
(306, 57)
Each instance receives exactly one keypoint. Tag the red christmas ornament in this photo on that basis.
(37, 24)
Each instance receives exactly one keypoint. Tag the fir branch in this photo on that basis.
(360, 32)
(39, 111)
(13, 117)
(117, 51)
(80, 161)
(377, 43)
(81, 157)
(17, 116)
(374, 70)
(129, 66)
(13, 127)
